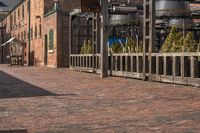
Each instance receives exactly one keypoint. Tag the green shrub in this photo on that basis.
(83, 48)
(140, 47)
(177, 43)
(167, 45)
(198, 47)
(189, 45)
(87, 47)
(130, 45)
(117, 48)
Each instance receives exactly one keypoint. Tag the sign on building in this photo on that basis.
(90, 5)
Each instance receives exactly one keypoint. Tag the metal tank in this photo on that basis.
(169, 8)
(123, 19)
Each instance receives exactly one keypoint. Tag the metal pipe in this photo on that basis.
(29, 34)
(56, 4)
(70, 39)
(125, 9)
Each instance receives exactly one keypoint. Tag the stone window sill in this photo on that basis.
(50, 51)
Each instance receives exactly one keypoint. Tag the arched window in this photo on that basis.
(51, 39)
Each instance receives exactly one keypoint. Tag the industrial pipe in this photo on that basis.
(124, 9)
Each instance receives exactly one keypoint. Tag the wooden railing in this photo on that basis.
(179, 68)
(85, 62)
(126, 65)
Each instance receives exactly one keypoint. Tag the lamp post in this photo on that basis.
(104, 38)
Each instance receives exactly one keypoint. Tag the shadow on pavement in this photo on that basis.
(12, 87)
(14, 131)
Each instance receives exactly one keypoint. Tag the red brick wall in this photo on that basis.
(50, 22)
(61, 49)
(63, 40)
(57, 21)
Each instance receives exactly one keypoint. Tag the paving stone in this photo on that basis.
(47, 100)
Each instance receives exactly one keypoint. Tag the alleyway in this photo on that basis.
(47, 100)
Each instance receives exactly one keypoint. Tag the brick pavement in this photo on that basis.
(47, 100)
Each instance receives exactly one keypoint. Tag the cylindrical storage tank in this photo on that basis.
(123, 19)
(181, 23)
(169, 8)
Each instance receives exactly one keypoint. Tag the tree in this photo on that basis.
(177, 43)
(167, 45)
(189, 45)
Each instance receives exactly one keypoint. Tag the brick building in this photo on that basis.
(48, 30)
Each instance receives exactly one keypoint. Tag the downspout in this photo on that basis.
(29, 34)
(2, 37)
(56, 7)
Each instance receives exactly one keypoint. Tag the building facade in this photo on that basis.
(45, 31)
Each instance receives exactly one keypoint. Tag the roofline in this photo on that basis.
(22, 1)
(17, 6)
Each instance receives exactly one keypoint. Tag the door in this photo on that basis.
(45, 49)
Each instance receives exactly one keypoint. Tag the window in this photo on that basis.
(14, 17)
(18, 35)
(11, 22)
(28, 6)
(31, 33)
(35, 31)
(22, 11)
(40, 30)
(5, 23)
(51, 39)
(18, 13)
(25, 35)
(22, 36)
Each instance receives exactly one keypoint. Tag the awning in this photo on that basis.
(8, 41)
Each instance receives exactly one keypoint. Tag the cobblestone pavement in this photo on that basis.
(47, 100)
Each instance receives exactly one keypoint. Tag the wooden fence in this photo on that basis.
(179, 68)
(85, 62)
